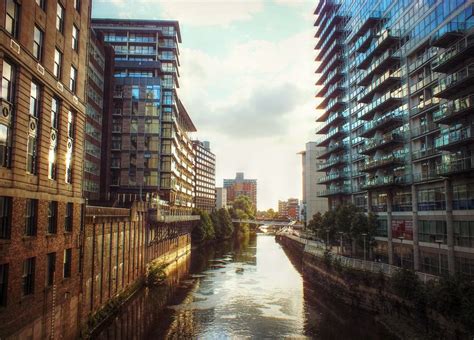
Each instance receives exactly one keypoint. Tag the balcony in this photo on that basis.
(369, 21)
(335, 176)
(337, 132)
(447, 34)
(421, 60)
(386, 80)
(333, 119)
(455, 82)
(329, 35)
(387, 140)
(333, 161)
(423, 154)
(386, 181)
(424, 176)
(386, 101)
(454, 55)
(325, 6)
(424, 130)
(336, 104)
(455, 166)
(332, 92)
(384, 162)
(386, 39)
(386, 61)
(335, 48)
(425, 106)
(385, 123)
(363, 43)
(453, 110)
(455, 139)
(343, 190)
(420, 85)
(332, 77)
(334, 62)
(323, 154)
(330, 19)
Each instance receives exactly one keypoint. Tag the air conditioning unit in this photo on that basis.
(5, 111)
(33, 126)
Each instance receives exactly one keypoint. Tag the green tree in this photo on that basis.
(204, 230)
(244, 203)
(216, 222)
(226, 226)
(242, 229)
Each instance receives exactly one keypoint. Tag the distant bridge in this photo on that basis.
(271, 223)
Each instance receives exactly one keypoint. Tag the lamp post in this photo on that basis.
(340, 242)
(439, 255)
(365, 257)
(401, 238)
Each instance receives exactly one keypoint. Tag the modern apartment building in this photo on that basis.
(221, 198)
(241, 186)
(43, 53)
(98, 116)
(205, 177)
(311, 176)
(151, 152)
(396, 81)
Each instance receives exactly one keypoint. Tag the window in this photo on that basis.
(69, 217)
(75, 38)
(7, 93)
(52, 217)
(60, 18)
(38, 37)
(11, 18)
(73, 80)
(70, 124)
(54, 113)
(77, 4)
(5, 217)
(28, 277)
(30, 217)
(3, 284)
(52, 161)
(58, 60)
(67, 262)
(50, 269)
(41, 3)
(31, 155)
(34, 100)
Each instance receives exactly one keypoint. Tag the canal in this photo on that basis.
(248, 289)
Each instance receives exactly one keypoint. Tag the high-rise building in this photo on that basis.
(312, 169)
(221, 198)
(283, 209)
(241, 186)
(151, 151)
(205, 178)
(42, 104)
(396, 80)
(98, 117)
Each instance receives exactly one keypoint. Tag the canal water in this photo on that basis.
(248, 289)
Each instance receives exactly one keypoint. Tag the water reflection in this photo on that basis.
(234, 290)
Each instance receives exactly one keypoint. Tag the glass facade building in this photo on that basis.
(396, 80)
(151, 152)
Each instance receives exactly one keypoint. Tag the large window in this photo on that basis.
(5, 217)
(60, 18)
(31, 213)
(463, 196)
(70, 124)
(50, 268)
(52, 217)
(28, 277)
(35, 100)
(3, 284)
(68, 219)
(7, 93)
(31, 155)
(38, 37)
(431, 199)
(67, 262)
(11, 17)
(464, 233)
(75, 38)
(432, 231)
(58, 60)
(55, 104)
(73, 80)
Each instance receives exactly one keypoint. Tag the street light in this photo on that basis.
(365, 257)
(340, 244)
(401, 238)
(439, 255)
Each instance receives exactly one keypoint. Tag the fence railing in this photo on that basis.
(318, 249)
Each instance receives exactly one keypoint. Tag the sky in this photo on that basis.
(247, 81)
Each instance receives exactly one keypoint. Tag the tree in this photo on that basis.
(271, 214)
(244, 203)
(218, 232)
(204, 230)
(242, 229)
(226, 226)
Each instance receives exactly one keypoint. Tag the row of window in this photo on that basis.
(31, 217)
(29, 272)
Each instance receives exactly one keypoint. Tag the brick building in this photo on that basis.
(241, 186)
(42, 70)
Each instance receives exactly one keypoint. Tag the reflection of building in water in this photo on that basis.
(138, 319)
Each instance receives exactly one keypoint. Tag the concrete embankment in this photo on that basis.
(367, 286)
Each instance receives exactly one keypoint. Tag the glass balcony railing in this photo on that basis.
(387, 100)
(451, 83)
(331, 162)
(454, 109)
(388, 121)
(368, 21)
(340, 145)
(333, 133)
(386, 79)
(454, 138)
(335, 191)
(454, 54)
(455, 166)
(333, 176)
(387, 160)
(427, 175)
(423, 153)
(421, 60)
(377, 143)
(424, 129)
(429, 104)
(379, 64)
(446, 34)
(380, 181)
